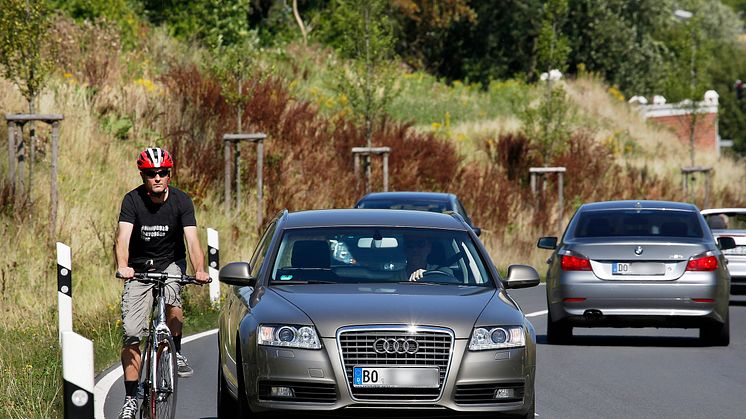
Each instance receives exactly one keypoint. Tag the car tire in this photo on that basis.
(227, 406)
(558, 332)
(717, 335)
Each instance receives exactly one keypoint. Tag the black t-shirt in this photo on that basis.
(158, 231)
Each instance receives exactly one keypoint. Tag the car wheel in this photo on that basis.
(718, 335)
(558, 332)
(227, 406)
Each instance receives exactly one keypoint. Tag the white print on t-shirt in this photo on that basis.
(148, 232)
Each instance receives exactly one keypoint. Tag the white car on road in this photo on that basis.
(731, 222)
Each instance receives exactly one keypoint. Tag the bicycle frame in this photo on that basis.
(159, 333)
(158, 339)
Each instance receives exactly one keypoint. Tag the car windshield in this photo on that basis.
(646, 223)
(378, 254)
(726, 221)
(415, 205)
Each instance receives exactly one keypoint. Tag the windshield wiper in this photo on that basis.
(300, 282)
(419, 282)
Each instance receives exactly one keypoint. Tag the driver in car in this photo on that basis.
(422, 257)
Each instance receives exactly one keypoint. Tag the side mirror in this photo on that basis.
(725, 243)
(237, 273)
(477, 231)
(547, 243)
(521, 276)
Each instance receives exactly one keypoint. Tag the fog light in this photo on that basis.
(282, 392)
(505, 393)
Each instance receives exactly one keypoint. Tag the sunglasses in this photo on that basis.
(152, 173)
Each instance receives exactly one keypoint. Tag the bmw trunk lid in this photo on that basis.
(638, 258)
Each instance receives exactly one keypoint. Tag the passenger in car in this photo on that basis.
(718, 222)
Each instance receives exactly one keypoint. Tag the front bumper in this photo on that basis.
(321, 383)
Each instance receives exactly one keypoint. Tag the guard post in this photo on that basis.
(77, 351)
(367, 152)
(538, 173)
(688, 175)
(17, 154)
(213, 264)
(258, 139)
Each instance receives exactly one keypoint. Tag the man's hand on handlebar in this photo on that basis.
(126, 273)
(202, 277)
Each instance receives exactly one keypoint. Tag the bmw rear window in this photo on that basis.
(637, 223)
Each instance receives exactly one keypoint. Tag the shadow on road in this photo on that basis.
(633, 341)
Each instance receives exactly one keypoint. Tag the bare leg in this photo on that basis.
(131, 362)
(174, 319)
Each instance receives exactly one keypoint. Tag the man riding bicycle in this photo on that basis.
(160, 217)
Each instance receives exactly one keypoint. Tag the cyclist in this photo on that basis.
(154, 220)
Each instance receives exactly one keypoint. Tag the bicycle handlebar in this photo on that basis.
(155, 277)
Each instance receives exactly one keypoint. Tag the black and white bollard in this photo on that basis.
(213, 263)
(64, 289)
(77, 373)
(77, 351)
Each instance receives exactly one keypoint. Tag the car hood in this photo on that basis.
(333, 306)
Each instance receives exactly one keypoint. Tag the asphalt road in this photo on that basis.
(604, 373)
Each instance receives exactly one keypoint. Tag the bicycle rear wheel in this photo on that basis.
(163, 391)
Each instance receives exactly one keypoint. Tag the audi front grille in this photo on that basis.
(393, 347)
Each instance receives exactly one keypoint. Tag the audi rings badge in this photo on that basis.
(396, 346)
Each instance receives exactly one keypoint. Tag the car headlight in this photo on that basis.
(304, 337)
(502, 337)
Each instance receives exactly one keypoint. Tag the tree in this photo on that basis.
(363, 32)
(421, 23)
(552, 46)
(24, 47)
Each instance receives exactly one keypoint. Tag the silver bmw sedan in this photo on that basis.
(342, 310)
(638, 264)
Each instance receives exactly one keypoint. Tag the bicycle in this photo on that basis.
(158, 376)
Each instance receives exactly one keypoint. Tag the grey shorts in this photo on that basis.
(137, 302)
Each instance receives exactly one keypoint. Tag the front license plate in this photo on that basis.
(396, 377)
(638, 268)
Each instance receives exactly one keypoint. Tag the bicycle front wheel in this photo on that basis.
(163, 390)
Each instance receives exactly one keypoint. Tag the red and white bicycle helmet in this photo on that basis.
(154, 158)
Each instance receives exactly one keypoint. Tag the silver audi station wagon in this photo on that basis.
(340, 310)
(638, 264)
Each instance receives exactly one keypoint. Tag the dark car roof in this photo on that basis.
(607, 205)
(373, 217)
(435, 196)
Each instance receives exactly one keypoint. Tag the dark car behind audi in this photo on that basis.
(309, 327)
(417, 201)
(638, 263)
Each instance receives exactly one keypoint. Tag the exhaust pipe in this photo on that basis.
(593, 314)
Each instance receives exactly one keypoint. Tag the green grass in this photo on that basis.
(31, 359)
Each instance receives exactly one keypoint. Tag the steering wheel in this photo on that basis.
(449, 277)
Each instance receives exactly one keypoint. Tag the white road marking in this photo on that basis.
(537, 313)
(104, 384)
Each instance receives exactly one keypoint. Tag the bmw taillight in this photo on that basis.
(575, 263)
(705, 263)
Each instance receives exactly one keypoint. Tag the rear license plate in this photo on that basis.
(638, 268)
(396, 377)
